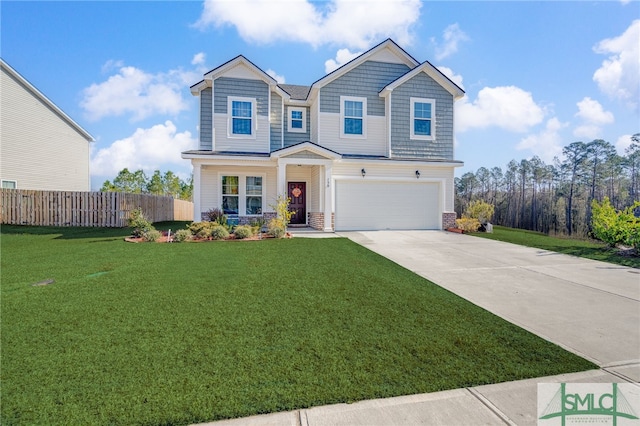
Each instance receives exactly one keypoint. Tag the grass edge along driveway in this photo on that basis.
(187, 333)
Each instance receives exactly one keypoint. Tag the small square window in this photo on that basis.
(297, 120)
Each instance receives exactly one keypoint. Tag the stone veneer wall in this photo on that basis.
(449, 220)
(244, 220)
(316, 220)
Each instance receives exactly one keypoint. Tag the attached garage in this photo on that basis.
(377, 205)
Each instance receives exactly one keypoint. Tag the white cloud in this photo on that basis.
(111, 64)
(506, 107)
(145, 149)
(622, 144)
(456, 78)
(548, 143)
(619, 75)
(356, 24)
(342, 57)
(198, 58)
(452, 36)
(141, 94)
(593, 117)
(279, 78)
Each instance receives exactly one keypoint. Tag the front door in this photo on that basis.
(298, 194)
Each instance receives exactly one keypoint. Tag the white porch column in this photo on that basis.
(328, 197)
(282, 178)
(197, 170)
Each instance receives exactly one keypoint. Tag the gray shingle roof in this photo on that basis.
(295, 91)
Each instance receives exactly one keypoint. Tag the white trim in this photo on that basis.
(290, 128)
(242, 190)
(15, 183)
(412, 117)
(254, 117)
(344, 135)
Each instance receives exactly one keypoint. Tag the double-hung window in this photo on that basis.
(230, 194)
(353, 117)
(423, 118)
(242, 194)
(297, 120)
(254, 195)
(242, 116)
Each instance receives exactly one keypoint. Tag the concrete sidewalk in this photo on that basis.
(590, 308)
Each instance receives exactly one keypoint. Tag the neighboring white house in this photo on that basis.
(41, 147)
(368, 146)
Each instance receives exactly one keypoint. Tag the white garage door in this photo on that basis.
(377, 205)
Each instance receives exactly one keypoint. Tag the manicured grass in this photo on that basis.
(590, 249)
(184, 333)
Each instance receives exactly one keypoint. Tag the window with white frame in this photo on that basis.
(353, 116)
(242, 194)
(423, 118)
(242, 116)
(9, 184)
(297, 120)
(253, 195)
(230, 194)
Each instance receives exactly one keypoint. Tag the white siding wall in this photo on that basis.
(224, 143)
(39, 149)
(374, 144)
(210, 187)
(314, 190)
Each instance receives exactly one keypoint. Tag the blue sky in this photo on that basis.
(538, 75)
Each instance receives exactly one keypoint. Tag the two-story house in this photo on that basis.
(368, 146)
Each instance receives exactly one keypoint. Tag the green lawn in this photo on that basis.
(590, 249)
(183, 333)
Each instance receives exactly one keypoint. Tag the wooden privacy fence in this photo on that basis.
(103, 209)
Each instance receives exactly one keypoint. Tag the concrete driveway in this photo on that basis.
(588, 307)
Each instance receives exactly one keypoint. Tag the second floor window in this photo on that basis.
(297, 120)
(353, 113)
(422, 118)
(241, 116)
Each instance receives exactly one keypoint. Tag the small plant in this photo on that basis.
(243, 231)
(468, 224)
(282, 210)
(480, 210)
(615, 227)
(218, 232)
(139, 223)
(198, 227)
(182, 235)
(151, 235)
(276, 228)
(258, 224)
(216, 215)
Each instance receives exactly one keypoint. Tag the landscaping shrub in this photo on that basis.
(182, 235)
(468, 224)
(615, 227)
(139, 223)
(243, 231)
(218, 232)
(276, 228)
(479, 210)
(151, 235)
(216, 215)
(198, 228)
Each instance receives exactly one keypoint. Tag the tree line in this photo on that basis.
(137, 182)
(556, 198)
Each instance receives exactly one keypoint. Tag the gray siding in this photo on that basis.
(206, 120)
(276, 121)
(292, 138)
(365, 80)
(225, 87)
(421, 86)
(306, 154)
